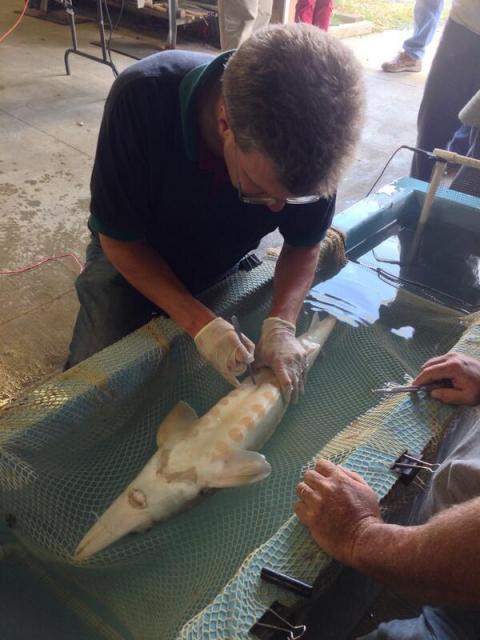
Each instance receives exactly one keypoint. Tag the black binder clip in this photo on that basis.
(406, 466)
(249, 262)
(274, 625)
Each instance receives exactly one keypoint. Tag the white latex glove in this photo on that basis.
(281, 351)
(219, 344)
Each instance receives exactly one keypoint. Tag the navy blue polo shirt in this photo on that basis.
(151, 180)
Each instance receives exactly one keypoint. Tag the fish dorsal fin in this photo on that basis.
(245, 467)
(172, 428)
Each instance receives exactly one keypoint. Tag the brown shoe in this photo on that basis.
(402, 62)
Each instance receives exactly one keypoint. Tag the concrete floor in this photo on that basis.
(48, 129)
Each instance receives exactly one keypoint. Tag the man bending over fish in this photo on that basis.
(198, 158)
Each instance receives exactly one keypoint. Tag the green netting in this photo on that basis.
(69, 448)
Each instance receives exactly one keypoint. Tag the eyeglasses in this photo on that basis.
(266, 200)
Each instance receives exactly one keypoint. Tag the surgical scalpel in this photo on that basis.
(236, 326)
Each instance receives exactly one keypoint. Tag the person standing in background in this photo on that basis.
(238, 19)
(426, 15)
(316, 12)
(453, 80)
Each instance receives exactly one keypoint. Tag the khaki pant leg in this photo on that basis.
(264, 14)
(239, 18)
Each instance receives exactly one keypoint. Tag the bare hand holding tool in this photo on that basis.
(461, 370)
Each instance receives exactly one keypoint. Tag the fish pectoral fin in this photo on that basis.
(181, 417)
(245, 467)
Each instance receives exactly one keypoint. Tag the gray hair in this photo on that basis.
(296, 94)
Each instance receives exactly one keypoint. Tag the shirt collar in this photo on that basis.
(190, 88)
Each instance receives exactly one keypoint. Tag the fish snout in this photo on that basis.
(129, 512)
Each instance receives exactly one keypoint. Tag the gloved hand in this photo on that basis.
(219, 344)
(281, 351)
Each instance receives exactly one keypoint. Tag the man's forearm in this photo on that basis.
(438, 562)
(293, 278)
(143, 267)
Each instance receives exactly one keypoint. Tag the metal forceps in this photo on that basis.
(444, 383)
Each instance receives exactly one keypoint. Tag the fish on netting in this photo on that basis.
(220, 449)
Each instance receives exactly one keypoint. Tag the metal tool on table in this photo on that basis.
(236, 326)
(444, 383)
